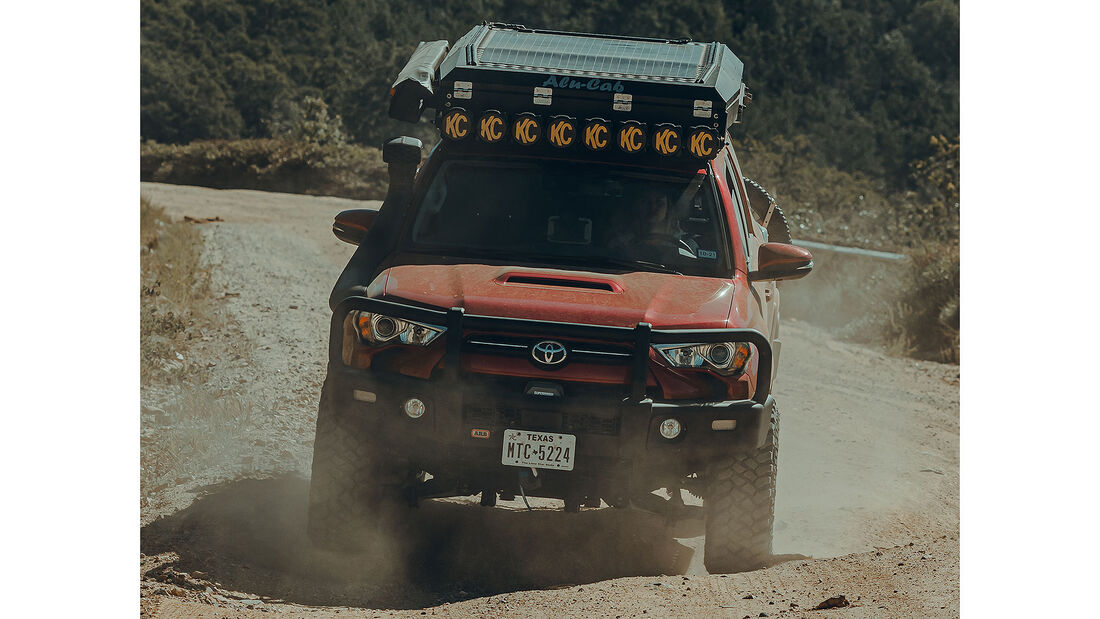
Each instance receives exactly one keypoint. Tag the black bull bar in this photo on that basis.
(641, 337)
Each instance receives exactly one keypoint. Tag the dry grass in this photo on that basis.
(187, 423)
(175, 295)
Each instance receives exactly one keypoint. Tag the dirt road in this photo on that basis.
(867, 503)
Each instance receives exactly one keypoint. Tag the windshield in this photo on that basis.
(573, 215)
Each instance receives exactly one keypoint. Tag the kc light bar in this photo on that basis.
(596, 135)
(504, 86)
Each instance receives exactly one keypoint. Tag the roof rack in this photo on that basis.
(509, 86)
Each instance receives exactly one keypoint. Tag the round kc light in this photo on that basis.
(456, 124)
(703, 142)
(561, 131)
(526, 128)
(670, 428)
(492, 127)
(597, 133)
(666, 139)
(632, 136)
(414, 408)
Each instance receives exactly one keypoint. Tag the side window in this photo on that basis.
(731, 184)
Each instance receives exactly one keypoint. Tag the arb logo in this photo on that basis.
(479, 433)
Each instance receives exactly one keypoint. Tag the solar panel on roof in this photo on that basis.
(592, 56)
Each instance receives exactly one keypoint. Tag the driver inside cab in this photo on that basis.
(649, 227)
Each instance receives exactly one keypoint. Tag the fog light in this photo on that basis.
(723, 424)
(414, 408)
(364, 396)
(670, 428)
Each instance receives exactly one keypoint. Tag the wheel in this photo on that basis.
(761, 202)
(345, 501)
(740, 507)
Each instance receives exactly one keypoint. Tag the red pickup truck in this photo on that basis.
(574, 296)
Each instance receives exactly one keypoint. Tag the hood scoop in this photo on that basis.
(560, 281)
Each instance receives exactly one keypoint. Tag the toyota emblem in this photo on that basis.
(549, 353)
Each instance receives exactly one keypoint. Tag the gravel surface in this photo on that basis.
(867, 503)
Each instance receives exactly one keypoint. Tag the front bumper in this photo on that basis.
(443, 440)
(449, 437)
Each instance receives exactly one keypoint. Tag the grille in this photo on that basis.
(557, 421)
(519, 346)
(584, 423)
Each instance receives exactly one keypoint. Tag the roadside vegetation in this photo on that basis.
(175, 296)
(342, 170)
(908, 308)
(186, 420)
(309, 153)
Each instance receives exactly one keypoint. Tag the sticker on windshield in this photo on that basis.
(707, 253)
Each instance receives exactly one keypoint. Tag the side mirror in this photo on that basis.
(352, 226)
(779, 261)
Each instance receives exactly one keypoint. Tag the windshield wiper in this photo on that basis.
(552, 258)
(601, 261)
(653, 266)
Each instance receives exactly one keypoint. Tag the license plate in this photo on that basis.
(542, 450)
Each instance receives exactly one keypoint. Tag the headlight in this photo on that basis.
(724, 357)
(379, 329)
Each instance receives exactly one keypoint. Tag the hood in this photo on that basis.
(661, 299)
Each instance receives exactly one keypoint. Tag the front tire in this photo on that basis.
(344, 498)
(740, 507)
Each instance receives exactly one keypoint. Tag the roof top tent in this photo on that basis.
(504, 86)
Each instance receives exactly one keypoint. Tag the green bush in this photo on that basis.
(335, 169)
(307, 120)
(927, 316)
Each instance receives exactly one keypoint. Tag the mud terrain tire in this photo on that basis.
(342, 498)
(740, 507)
